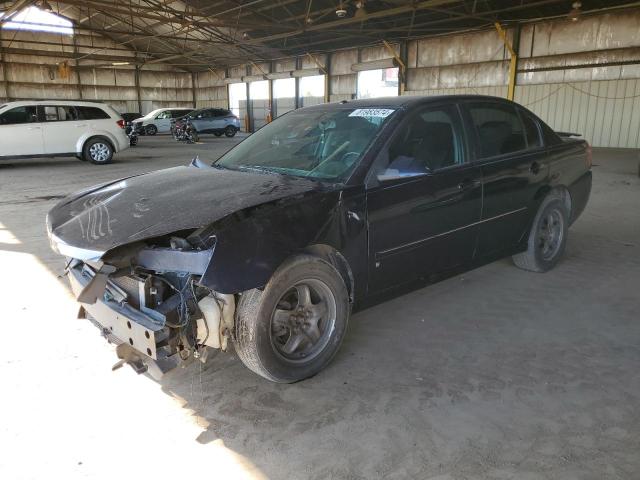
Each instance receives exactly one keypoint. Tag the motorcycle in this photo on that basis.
(184, 132)
(131, 133)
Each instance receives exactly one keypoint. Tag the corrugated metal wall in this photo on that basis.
(607, 113)
(31, 76)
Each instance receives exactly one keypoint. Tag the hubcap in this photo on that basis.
(303, 320)
(550, 234)
(99, 152)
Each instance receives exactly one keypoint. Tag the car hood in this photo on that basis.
(162, 202)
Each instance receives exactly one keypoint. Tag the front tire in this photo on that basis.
(98, 151)
(151, 130)
(548, 236)
(292, 329)
(230, 131)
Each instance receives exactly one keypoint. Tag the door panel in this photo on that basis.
(509, 187)
(20, 132)
(423, 226)
(513, 165)
(163, 121)
(61, 129)
(203, 122)
(423, 214)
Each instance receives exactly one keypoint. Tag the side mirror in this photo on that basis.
(393, 174)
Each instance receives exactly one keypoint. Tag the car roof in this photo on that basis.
(404, 101)
(26, 103)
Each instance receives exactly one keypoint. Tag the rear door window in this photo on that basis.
(19, 115)
(59, 113)
(531, 130)
(92, 113)
(50, 113)
(498, 127)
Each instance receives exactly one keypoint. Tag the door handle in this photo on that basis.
(80, 125)
(467, 184)
(33, 128)
(534, 168)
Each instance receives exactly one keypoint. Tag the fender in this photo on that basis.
(97, 133)
(252, 245)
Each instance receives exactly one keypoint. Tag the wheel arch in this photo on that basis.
(338, 261)
(83, 142)
(560, 190)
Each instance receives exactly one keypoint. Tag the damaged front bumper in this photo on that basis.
(138, 335)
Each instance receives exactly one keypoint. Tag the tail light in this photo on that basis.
(120, 123)
(589, 156)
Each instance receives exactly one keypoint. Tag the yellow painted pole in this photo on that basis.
(512, 62)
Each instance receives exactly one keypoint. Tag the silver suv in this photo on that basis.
(212, 120)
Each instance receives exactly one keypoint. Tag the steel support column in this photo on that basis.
(297, 89)
(193, 90)
(137, 82)
(5, 77)
(77, 66)
(513, 60)
(327, 78)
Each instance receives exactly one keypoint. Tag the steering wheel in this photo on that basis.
(332, 160)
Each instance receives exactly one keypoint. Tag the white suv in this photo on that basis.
(55, 128)
(159, 120)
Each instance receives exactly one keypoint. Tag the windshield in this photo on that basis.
(153, 113)
(324, 144)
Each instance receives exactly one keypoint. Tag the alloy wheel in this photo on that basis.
(303, 320)
(550, 233)
(99, 152)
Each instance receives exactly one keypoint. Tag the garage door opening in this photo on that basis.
(238, 102)
(382, 82)
(284, 96)
(258, 103)
(311, 90)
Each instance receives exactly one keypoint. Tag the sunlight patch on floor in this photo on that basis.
(7, 237)
(65, 411)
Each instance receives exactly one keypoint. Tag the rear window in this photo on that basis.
(92, 113)
(531, 130)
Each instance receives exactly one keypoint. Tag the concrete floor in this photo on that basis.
(495, 374)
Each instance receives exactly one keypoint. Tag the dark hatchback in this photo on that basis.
(321, 211)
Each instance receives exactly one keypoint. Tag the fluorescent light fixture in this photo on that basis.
(253, 78)
(374, 65)
(278, 75)
(117, 64)
(307, 72)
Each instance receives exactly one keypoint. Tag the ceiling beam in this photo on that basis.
(174, 17)
(388, 12)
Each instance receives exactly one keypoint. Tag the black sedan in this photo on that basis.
(315, 215)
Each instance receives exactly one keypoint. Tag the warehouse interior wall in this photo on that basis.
(581, 77)
(30, 68)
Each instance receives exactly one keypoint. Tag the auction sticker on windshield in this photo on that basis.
(371, 112)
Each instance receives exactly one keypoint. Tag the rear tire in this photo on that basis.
(151, 130)
(548, 236)
(230, 131)
(293, 328)
(98, 151)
